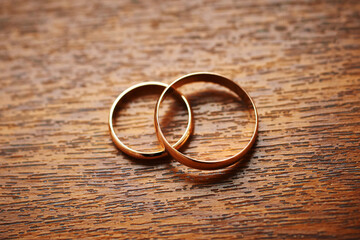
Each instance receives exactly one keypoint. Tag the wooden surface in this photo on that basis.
(62, 63)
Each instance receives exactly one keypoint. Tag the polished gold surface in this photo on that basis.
(197, 163)
(140, 154)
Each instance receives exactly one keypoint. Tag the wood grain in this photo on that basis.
(62, 63)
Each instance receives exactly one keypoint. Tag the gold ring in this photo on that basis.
(196, 163)
(156, 154)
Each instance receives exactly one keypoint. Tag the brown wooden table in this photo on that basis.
(62, 64)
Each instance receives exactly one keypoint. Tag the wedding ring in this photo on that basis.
(148, 155)
(196, 163)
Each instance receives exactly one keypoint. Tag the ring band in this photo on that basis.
(195, 163)
(156, 154)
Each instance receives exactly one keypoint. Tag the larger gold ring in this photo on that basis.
(195, 163)
(148, 155)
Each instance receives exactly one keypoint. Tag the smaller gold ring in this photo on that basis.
(196, 163)
(148, 155)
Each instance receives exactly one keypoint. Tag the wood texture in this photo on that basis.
(62, 63)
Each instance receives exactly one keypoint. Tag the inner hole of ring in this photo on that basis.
(133, 119)
(223, 121)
